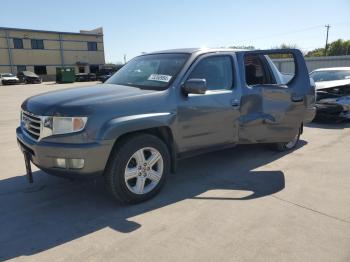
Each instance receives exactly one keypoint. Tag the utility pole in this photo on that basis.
(124, 58)
(326, 47)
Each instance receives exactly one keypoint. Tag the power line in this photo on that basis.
(292, 32)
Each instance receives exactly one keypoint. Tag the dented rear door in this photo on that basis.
(273, 112)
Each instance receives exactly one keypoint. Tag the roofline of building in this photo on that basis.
(46, 31)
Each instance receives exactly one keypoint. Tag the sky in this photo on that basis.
(135, 26)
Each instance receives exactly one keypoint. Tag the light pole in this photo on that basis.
(326, 47)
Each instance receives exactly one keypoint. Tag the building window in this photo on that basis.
(94, 69)
(40, 70)
(21, 68)
(18, 43)
(92, 46)
(37, 44)
(81, 69)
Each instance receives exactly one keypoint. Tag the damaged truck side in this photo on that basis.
(161, 107)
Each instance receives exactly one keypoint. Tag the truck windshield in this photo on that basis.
(150, 71)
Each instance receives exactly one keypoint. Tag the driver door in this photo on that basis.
(210, 119)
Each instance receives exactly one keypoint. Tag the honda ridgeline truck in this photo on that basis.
(161, 107)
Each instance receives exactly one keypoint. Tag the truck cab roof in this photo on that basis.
(197, 50)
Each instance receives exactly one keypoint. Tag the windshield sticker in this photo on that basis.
(161, 78)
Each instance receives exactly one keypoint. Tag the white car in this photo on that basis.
(333, 92)
(8, 79)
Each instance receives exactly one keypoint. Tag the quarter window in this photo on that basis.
(216, 70)
(92, 46)
(37, 44)
(17, 43)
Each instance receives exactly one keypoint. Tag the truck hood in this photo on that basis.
(329, 84)
(83, 100)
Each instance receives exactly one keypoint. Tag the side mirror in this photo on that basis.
(195, 86)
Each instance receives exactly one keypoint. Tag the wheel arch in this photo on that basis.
(157, 124)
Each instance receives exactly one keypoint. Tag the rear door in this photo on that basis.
(272, 103)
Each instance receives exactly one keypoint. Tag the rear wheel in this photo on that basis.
(137, 168)
(286, 146)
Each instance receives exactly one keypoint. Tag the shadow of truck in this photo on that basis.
(53, 211)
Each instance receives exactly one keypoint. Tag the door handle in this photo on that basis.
(297, 99)
(235, 103)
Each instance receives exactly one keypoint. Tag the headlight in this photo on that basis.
(62, 125)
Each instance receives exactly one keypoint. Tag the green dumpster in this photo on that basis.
(65, 74)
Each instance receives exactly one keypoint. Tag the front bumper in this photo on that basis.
(43, 155)
(10, 82)
(331, 111)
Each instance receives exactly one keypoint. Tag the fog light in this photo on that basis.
(76, 163)
(60, 162)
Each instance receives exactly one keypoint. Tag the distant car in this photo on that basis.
(332, 93)
(104, 78)
(84, 77)
(8, 79)
(29, 77)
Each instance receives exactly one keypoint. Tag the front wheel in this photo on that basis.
(137, 168)
(286, 146)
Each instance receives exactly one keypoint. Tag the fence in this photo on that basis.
(312, 63)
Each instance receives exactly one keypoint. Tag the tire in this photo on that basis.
(137, 168)
(287, 146)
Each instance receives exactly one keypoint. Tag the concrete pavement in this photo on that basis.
(242, 204)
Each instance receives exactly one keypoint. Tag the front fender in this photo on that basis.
(126, 124)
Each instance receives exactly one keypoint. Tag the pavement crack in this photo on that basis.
(312, 210)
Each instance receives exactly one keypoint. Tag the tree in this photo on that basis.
(283, 46)
(316, 52)
(336, 48)
(339, 47)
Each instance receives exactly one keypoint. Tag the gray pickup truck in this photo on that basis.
(161, 107)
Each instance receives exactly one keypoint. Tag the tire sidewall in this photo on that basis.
(283, 146)
(120, 159)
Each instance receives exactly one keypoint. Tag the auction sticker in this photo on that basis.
(161, 78)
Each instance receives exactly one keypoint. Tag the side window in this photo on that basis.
(216, 70)
(40, 70)
(257, 71)
(37, 44)
(92, 46)
(17, 43)
(21, 68)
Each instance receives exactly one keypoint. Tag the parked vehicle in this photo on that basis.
(84, 77)
(332, 92)
(8, 79)
(161, 107)
(29, 77)
(104, 78)
(105, 73)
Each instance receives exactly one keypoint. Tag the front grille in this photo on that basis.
(32, 124)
